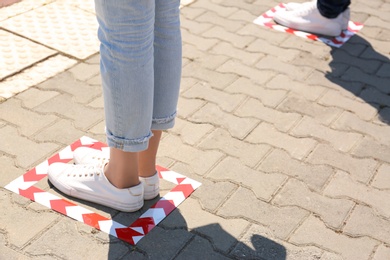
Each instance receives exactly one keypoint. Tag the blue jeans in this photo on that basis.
(332, 8)
(140, 66)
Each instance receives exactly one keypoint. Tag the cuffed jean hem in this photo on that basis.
(126, 145)
(164, 123)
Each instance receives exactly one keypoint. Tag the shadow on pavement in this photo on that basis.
(358, 68)
(172, 238)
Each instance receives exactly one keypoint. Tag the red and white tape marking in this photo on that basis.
(266, 19)
(24, 185)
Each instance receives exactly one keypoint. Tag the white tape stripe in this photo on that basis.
(85, 140)
(176, 196)
(42, 167)
(157, 214)
(138, 229)
(66, 153)
(109, 226)
(193, 183)
(77, 212)
(19, 183)
(44, 198)
(171, 176)
(137, 238)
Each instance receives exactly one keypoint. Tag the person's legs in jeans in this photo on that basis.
(140, 46)
(167, 75)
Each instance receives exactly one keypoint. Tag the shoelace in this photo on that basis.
(90, 170)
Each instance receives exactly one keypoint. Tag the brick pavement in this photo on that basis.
(289, 137)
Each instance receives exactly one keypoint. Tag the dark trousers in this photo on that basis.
(332, 8)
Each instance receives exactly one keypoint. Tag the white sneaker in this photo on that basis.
(88, 182)
(85, 155)
(306, 17)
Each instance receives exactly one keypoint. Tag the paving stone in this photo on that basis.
(283, 121)
(331, 211)
(217, 79)
(245, 57)
(9, 253)
(259, 76)
(340, 140)
(260, 243)
(25, 151)
(190, 133)
(362, 169)
(383, 117)
(222, 233)
(382, 178)
(264, 185)
(318, 63)
(82, 116)
(355, 74)
(203, 91)
(199, 248)
(323, 114)
(28, 122)
(226, 23)
(266, 48)
(361, 109)
(372, 95)
(364, 222)
(220, 33)
(271, 36)
(367, 65)
(50, 25)
(66, 82)
(64, 236)
(350, 122)
(13, 221)
(383, 252)
(208, 60)
(192, 13)
(342, 185)
(194, 26)
(309, 92)
(334, 82)
(371, 148)
(18, 53)
(315, 233)
(314, 176)
(170, 243)
(98, 102)
(219, 189)
(34, 75)
(187, 82)
(62, 131)
(202, 43)
(281, 221)
(9, 171)
(384, 70)
(249, 154)
(294, 72)
(84, 71)
(268, 97)
(292, 42)
(238, 127)
(267, 134)
(34, 97)
(243, 15)
(200, 161)
(216, 8)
